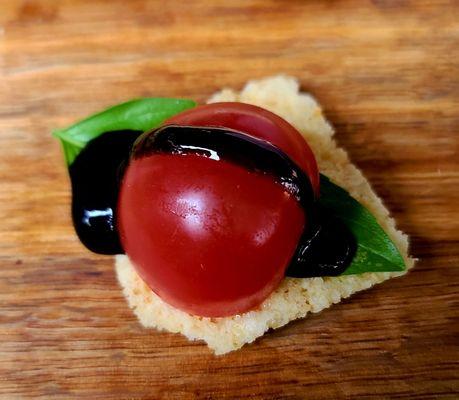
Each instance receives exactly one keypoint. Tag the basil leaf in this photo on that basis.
(139, 114)
(375, 250)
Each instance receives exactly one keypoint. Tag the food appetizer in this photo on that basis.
(230, 218)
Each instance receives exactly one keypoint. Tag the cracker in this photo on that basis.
(295, 297)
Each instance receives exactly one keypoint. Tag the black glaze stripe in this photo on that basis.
(230, 145)
(96, 176)
(326, 247)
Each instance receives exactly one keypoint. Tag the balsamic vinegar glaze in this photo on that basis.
(239, 148)
(326, 247)
(96, 175)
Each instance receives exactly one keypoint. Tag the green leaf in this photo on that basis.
(139, 114)
(375, 250)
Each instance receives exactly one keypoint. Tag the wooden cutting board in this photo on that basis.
(387, 74)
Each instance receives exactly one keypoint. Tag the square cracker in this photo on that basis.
(295, 297)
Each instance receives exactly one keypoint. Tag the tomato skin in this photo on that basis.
(258, 122)
(202, 237)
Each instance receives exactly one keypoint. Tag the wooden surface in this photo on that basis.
(387, 74)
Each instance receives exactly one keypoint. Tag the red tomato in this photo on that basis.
(258, 122)
(209, 237)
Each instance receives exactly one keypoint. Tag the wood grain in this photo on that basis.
(387, 73)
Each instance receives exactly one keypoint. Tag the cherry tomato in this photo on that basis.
(258, 122)
(209, 237)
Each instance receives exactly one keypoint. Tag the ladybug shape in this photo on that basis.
(210, 210)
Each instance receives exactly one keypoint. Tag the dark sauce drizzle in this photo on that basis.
(221, 143)
(326, 247)
(96, 175)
